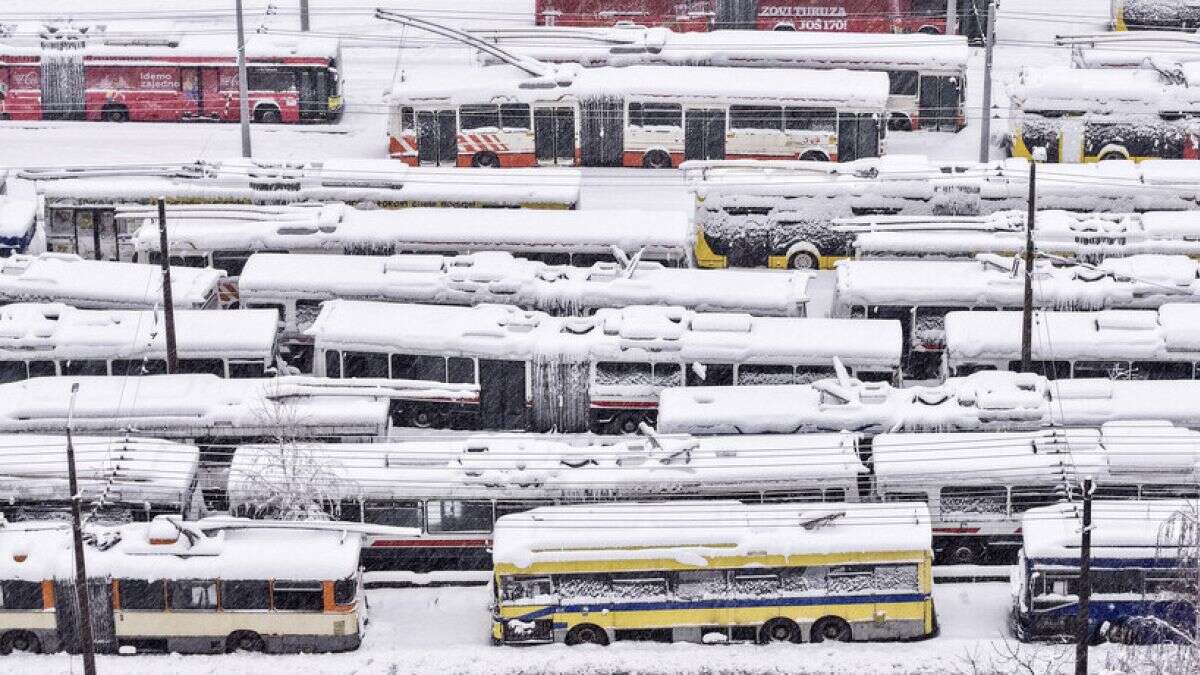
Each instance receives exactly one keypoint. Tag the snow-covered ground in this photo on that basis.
(445, 631)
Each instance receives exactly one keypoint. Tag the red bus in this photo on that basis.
(170, 80)
(851, 16)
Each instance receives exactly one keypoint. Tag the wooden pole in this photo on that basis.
(985, 113)
(243, 97)
(82, 599)
(164, 254)
(1027, 307)
(1082, 624)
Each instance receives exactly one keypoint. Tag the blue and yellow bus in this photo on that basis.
(713, 572)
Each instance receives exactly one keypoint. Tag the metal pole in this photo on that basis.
(985, 117)
(1027, 307)
(243, 97)
(86, 641)
(304, 16)
(951, 17)
(168, 301)
(1082, 632)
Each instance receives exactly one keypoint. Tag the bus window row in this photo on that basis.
(15, 371)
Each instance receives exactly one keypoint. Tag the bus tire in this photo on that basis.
(20, 641)
(485, 160)
(244, 641)
(114, 112)
(814, 156)
(779, 630)
(268, 114)
(586, 634)
(803, 260)
(1112, 155)
(421, 419)
(964, 552)
(929, 30)
(832, 628)
(656, 159)
(625, 424)
(899, 122)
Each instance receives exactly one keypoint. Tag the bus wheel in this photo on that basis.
(964, 552)
(268, 115)
(587, 634)
(929, 30)
(814, 156)
(245, 641)
(779, 630)
(1111, 156)
(656, 159)
(625, 424)
(803, 260)
(485, 160)
(898, 122)
(20, 641)
(831, 628)
(422, 419)
(115, 113)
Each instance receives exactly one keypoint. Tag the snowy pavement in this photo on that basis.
(446, 631)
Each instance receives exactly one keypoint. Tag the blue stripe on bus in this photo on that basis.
(724, 604)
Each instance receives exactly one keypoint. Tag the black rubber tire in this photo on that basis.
(268, 116)
(115, 113)
(485, 160)
(779, 630)
(656, 159)
(625, 424)
(814, 156)
(245, 641)
(899, 123)
(831, 628)
(803, 260)
(20, 641)
(1111, 156)
(586, 634)
(964, 552)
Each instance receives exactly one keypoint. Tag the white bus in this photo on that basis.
(44, 340)
(978, 485)
(121, 478)
(81, 203)
(1087, 237)
(530, 370)
(783, 214)
(95, 284)
(1119, 344)
(454, 489)
(640, 116)
(927, 73)
(18, 225)
(919, 294)
(184, 587)
(984, 401)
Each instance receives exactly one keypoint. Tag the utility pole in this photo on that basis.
(86, 641)
(243, 97)
(951, 17)
(1082, 628)
(985, 129)
(164, 253)
(304, 16)
(1027, 307)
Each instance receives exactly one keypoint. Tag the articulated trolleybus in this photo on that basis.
(206, 587)
(74, 76)
(639, 116)
(713, 572)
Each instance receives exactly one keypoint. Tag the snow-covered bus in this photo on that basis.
(296, 285)
(1178, 15)
(1092, 115)
(121, 478)
(919, 294)
(89, 209)
(1085, 237)
(454, 489)
(713, 572)
(1142, 590)
(639, 116)
(530, 370)
(44, 340)
(978, 485)
(18, 224)
(927, 73)
(1119, 344)
(784, 214)
(175, 586)
(98, 284)
(78, 75)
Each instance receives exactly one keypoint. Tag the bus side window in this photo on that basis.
(418, 367)
(365, 364)
(453, 515)
(710, 375)
(246, 370)
(460, 370)
(393, 513)
(202, 367)
(307, 312)
(515, 116)
(42, 369)
(756, 117)
(481, 116)
(233, 262)
(83, 367)
(20, 595)
(902, 82)
(247, 594)
(810, 119)
(333, 363)
(13, 371)
(193, 594)
(146, 595)
(407, 119)
(298, 596)
(139, 367)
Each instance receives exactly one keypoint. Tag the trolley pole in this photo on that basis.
(1082, 628)
(1027, 306)
(304, 16)
(985, 129)
(86, 641)
(168, 300)
(243, 97)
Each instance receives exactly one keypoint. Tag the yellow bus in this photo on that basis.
(713, 572)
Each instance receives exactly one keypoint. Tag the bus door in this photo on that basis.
(437, 137)
(858, 136)
(66, 610)
(704, 133)
(938, 102)
(191, 85)
(502, 394)
(314, 95)
(554, 135)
